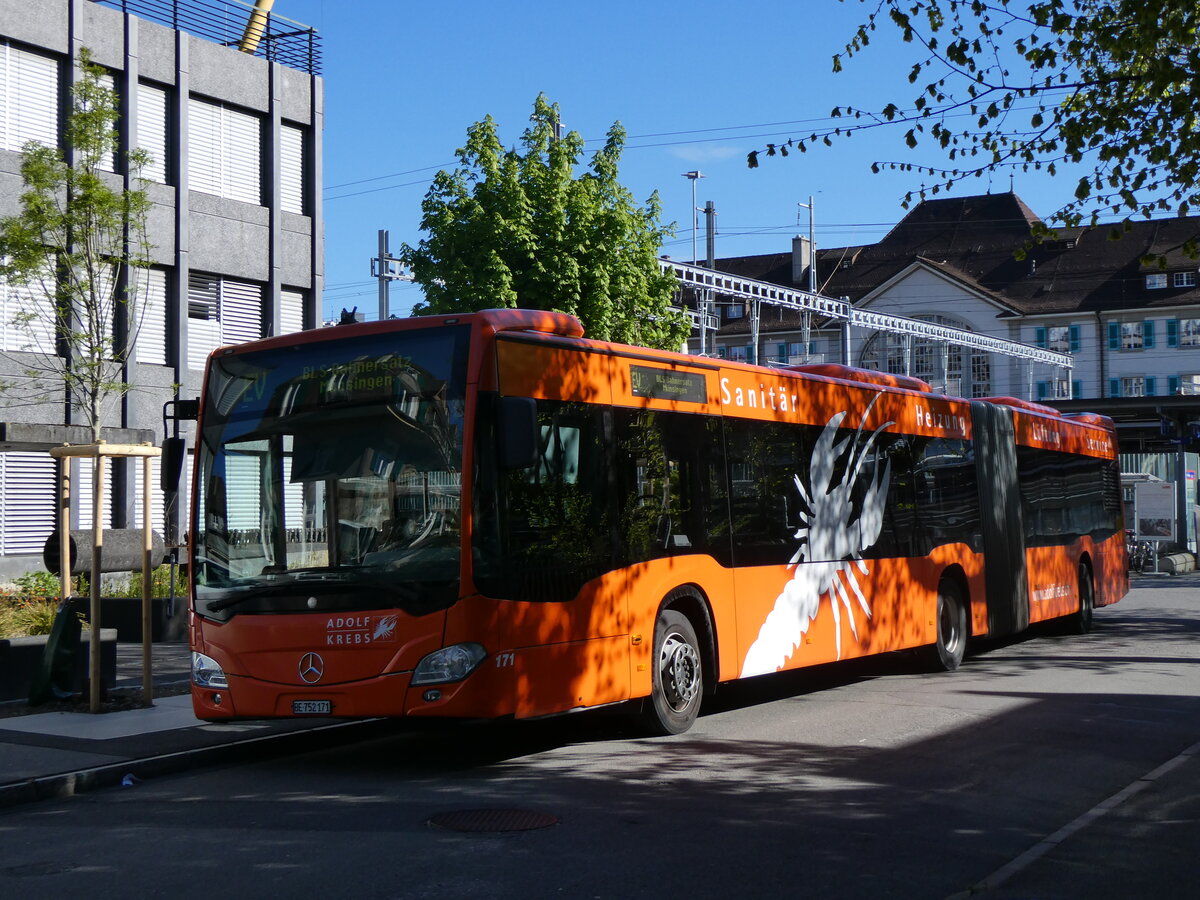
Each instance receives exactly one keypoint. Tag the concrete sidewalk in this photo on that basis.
(56, 754)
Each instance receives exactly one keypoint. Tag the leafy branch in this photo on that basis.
(1111, 84)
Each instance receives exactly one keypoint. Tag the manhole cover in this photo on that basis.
(493, 820)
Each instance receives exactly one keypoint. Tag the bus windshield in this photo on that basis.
(330, 475)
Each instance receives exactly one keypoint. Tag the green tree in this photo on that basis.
(66, 247)
(518, 228)
(1112, 85)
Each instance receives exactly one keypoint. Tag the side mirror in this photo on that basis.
(518, 432)
(173, 451)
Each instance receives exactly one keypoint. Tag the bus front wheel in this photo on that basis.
(951, 627)
(678, 676)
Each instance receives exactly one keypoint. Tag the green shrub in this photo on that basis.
(38, 585)
(24, 617)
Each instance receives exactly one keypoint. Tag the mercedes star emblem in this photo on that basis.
(312, 667)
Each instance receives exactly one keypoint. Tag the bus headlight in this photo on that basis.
(206, 672)
(453, 663)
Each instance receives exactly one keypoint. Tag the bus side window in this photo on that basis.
(557, 515)
(947, 492)
(765, 506)
(1043, 496)
(670, 484)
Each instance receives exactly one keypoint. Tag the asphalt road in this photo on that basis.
(1055, 766)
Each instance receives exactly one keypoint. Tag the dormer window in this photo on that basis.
(1156, 281)
(1185, 279)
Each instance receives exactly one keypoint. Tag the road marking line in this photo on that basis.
(1040, 849)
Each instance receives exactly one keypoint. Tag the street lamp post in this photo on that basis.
(694, 176)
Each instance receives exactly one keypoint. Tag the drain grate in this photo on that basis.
(493, 820)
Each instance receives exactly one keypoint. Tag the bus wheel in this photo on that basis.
(1081, 621)
(951, 627)
(678, 676)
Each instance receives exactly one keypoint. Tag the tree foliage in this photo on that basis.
(519, 228)
(74, 234)
(1113, 85)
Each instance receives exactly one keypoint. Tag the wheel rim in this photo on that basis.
(950, 631)
(679, 665)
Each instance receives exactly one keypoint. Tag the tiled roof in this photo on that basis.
(975, 239)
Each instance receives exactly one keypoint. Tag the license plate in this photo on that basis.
(312, 707)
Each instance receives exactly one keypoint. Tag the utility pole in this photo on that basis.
(710, 233)
(707, 306)
(806, 318)
(386, 268)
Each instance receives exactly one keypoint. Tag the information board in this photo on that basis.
(1154, 510)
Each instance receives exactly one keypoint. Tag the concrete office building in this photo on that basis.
(235, 225)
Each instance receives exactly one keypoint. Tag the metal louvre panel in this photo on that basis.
(32, 99)
(82, 488)
(241, 311)
(108, 160)
(291, 169)
(157, 515)
(242, 147)
(204, 324)
(185, 494)
(291, 311)
(5, 103)
(293, 496)
(28, 502)
(243, 474)
(152, 130)
(204, 147)
(150, 316)
(35, 336)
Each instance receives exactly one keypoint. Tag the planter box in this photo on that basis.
(20, 657)
(125, 615)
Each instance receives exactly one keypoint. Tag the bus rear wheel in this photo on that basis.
(1081, 621)
(678, 676)
(951, 627)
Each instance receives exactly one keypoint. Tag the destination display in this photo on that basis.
(666, 384)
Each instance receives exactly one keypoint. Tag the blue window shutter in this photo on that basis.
(1172, 332)
(1114, 387)
(1173, 385)
(1151, 385)
(1114, 337)
(1076, 390)
(1075, 341)
(1040, 337)
(1043, 390)
(1148, 333)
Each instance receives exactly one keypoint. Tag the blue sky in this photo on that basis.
(695, 85)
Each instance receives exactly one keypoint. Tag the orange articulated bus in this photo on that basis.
(489, 515)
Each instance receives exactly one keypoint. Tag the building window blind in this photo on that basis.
(291, 311)
(27, 320)
(28, 503)
(291, 169)
(108, 158)
(158, 519)
(241, 312)
(28, 98)
(83, 487)
(152, 130)
(204, 324)
(149, 314)
(221, 311)
(224, 151)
